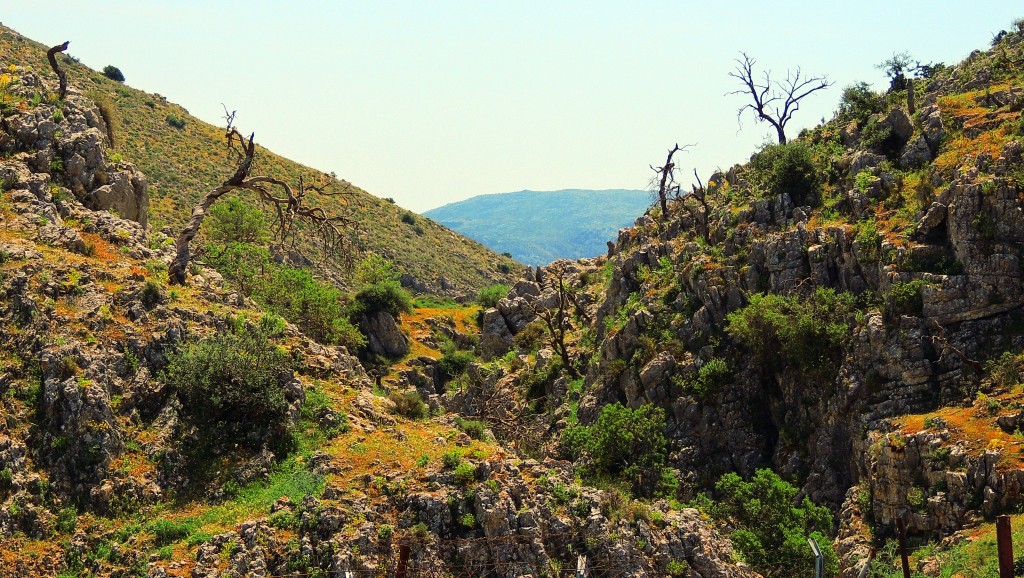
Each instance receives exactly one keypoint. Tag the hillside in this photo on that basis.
(182, 164)
(823, 340)
(538, 227)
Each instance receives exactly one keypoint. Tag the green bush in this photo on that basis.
(465, 473)
(489, 296)
(804, 332)
(175, 121)
(386, 296)
(229, 383)
(623, 443)
(453, 362)
(67, 520)
(451, 459)
(318, 308)
(473, 428)
(708, 378)
(1007, 370)
(859, 102)
(786, 169)
(409, 404)
(235, 221)
(771, 530)
(408, 218)
(113, 73)
(905, 299)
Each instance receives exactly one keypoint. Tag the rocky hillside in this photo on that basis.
(847, 311)
(538, 227)
(149, 430)
(183, 158)
(819, 342)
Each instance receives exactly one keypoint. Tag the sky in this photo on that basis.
(433, 102)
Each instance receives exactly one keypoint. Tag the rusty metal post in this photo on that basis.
(1005, 542)
(403, 561)
(901, 531)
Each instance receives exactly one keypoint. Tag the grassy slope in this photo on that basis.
(182, 164)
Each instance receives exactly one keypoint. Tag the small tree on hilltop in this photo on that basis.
(774, 102)
(113, 73)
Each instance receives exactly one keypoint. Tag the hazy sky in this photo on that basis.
(432, 102)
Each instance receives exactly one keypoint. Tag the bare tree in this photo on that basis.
(665, 178)
(700, 195)
(774, 102)
(51, 55)
(290, 205)
(558, 319)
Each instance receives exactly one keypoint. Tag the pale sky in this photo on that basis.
(433, 102)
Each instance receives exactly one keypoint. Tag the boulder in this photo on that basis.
(383, 335)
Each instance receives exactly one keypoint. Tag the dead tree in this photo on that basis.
(665, 177)
(558, 318)
(290, 206)
(51, 55)
(700, 195)
(774, 102)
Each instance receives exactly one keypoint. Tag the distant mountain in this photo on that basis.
(538, 227)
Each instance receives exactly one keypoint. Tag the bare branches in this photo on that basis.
(774, 102)
(51, 55)
(290, 206)
(665, 176)
(558, 317)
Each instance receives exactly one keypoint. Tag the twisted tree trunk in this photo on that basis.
(51, 55)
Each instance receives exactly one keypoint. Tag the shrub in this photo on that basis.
(230, 383)
(451, 459)
(786, 169)
(113, 73)
(869, 240)
(465, 473)
(408, 218)
(489, 296)
(67, 520)
(772, 531)
(386, 296)
(235, 221)
(473, 428)
(859, 102)
(409, 404)
(879, 138)
(708, 378)
(108, 112)
(802, 332)
(905, 299)
(623, 443)
(175, 121)
(1006, 370)
(453, 362)
(468, 521)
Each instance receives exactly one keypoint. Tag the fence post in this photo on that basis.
(581, 566)
(819, 560)
(403, 561)
(901, 531)
(1005, 542)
